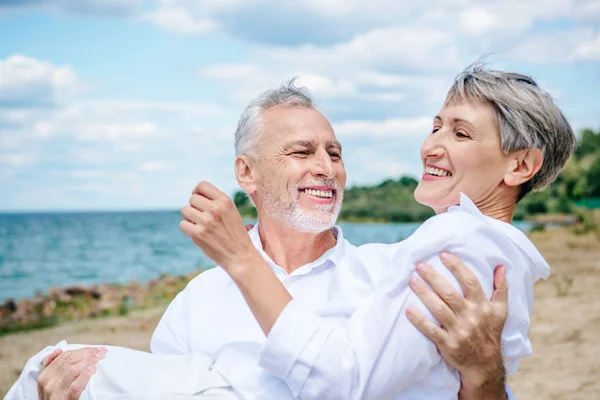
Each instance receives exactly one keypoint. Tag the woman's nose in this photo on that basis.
(433, 146)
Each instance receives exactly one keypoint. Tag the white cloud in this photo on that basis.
(16, 159)
(115, 132)
(390, 127)
(87, 7)
(231, 71)
(26, 81)
(589, 49)
(322, 85)
(478, 20)
(178, 20)
(560, 47)
(88, 174)
(125, 150)
(156, 166)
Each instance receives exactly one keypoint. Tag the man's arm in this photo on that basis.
(472, 345)
(311, 345)
(169, 335)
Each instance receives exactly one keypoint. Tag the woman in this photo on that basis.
(497, 137)
(479, 146)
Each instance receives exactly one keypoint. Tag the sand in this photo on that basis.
(565, 327)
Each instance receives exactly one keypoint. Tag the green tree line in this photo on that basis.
(392, 200)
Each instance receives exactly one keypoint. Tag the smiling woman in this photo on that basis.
(497, 137)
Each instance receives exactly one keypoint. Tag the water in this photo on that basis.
(40, 251)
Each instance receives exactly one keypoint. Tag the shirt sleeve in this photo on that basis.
(377, 352)
(170, 335)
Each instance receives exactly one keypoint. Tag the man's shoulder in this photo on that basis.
(211, 279)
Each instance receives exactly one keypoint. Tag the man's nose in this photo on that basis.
(322, 165)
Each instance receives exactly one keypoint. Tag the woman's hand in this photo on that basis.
(470, 337)
(66, 373)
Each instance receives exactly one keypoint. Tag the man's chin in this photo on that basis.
(314, 223)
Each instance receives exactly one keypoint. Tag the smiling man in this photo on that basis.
(290, 164)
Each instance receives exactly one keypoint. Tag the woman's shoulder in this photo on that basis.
(452, 225)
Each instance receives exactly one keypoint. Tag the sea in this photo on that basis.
(43, 250)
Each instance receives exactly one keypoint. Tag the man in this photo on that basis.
(286, 147)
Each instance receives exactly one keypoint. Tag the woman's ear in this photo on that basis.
(522, 166)
(245, 173)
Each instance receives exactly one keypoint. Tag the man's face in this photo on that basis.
(301, 175)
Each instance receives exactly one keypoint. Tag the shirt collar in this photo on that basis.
(331, 257)
(541, 267)
(466, 204)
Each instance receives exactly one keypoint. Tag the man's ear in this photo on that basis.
(245, 173)
(523, 165)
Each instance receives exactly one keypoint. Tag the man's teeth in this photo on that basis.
(326, 194)
(437, 172)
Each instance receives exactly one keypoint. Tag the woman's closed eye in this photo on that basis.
(462, 135)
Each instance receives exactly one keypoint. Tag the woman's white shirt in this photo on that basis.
(361, 345)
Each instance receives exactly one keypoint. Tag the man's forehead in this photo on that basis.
(295, 125)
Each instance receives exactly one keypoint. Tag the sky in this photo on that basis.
(127, 104)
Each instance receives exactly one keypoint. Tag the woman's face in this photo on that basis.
(462, 154)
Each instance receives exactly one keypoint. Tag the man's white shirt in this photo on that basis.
(210, 315)
(345, 334)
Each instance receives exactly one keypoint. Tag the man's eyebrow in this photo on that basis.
(334, 144)
(298, 143)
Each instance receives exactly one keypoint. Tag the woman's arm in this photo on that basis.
(378, 353)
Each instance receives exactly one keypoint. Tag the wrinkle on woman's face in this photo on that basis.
(462, 154)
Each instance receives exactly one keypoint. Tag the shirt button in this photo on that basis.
(287, 285)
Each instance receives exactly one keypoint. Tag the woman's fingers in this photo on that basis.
(82, 380)
(51, 358)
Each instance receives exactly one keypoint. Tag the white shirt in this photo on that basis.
(210, 315)
(361, 345)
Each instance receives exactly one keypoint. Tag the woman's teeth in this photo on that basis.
(326, 194)
(436, 172)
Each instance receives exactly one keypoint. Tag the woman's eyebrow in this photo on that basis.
(464, 121)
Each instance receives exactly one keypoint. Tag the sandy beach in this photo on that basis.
(565, 326)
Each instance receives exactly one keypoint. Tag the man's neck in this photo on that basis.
(291, 249)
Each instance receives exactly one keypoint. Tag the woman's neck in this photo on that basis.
(498, 204)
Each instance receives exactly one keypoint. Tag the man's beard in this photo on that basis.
(286, 208)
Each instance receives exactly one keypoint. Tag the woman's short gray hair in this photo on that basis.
(250, 126)
(527, 117)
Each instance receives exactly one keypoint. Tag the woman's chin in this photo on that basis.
(436, 203)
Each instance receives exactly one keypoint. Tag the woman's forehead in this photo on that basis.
(476, 113)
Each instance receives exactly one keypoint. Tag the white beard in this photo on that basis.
(287, 210)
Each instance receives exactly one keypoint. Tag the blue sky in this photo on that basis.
(127, 104)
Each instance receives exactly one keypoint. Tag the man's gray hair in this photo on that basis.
(250, 127)
(527, 117)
